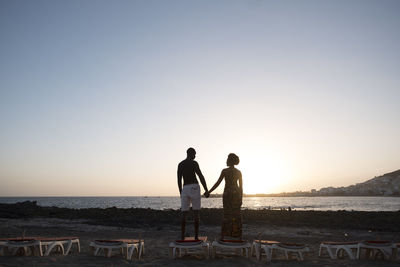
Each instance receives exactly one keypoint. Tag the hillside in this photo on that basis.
(385, 185)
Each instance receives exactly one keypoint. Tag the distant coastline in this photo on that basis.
(303, 194)
(387, 184)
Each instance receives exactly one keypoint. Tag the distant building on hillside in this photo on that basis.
(385, 185)
(313, 191)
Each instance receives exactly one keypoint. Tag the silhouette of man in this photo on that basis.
(187, 169)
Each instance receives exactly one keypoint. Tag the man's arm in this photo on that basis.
(202, 180)
(180, 175)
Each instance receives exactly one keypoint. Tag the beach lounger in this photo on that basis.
(4, 247)
(176, 247)
(268, 246)
(335, 249)
(124, 246)
(374, 248)
(47, 244)
(63, 243)
(291, 248)
(25, 244)
(259, 246)
(239, 245)
(3, 241)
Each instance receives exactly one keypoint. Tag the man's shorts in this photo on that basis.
(190, 193)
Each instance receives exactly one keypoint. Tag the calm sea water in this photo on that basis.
(160, 203)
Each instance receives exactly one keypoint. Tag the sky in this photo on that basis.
(102, 98)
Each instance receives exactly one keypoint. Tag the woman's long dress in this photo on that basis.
(232, 201)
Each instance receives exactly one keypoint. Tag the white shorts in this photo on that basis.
(190, 193)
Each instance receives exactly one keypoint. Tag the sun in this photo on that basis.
(264, 174)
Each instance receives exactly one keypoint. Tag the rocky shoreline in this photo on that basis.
(134, 217)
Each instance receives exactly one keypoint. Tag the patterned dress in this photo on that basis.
(232, 201)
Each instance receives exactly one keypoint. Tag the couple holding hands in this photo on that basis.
(232, 197)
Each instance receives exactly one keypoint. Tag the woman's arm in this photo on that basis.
(221, 177)
(240, 184)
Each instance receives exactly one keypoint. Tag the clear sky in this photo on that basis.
(104, 97)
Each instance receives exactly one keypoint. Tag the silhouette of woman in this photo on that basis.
(232, 198)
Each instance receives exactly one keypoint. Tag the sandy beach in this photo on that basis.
(157, 238)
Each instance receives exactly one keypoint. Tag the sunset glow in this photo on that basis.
(101, 99)
(264, 173)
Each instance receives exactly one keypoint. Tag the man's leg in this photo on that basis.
(196, 204)
(196, 224)
(185, 204)
(183, 225)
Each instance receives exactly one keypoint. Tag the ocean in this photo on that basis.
(161, 203)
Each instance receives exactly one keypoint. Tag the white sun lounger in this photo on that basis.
(385, 247)
(2, 243)
(291, 248)
(25, 243)
(335, 248)
(288, 248)
(175, 247)
(241, 245)
(47, 244)
(259, 246)
(124, 246)
(64, 243)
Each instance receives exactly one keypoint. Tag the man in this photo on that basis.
(190, 192)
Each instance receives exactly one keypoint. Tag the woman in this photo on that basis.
(232, 198)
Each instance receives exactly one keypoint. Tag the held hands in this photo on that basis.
(207, 194)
